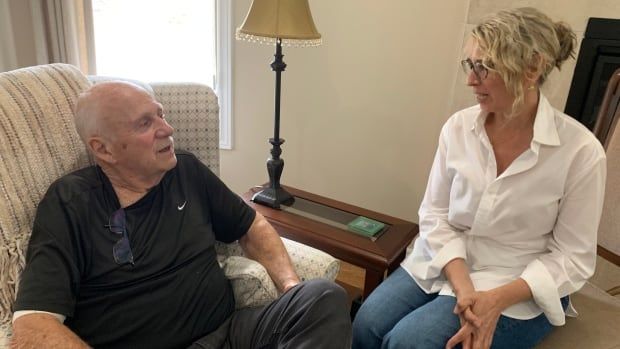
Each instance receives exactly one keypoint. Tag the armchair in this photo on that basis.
(38, 144)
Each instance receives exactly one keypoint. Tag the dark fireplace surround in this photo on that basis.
(599, 57)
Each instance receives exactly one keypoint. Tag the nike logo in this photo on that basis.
(182, 206)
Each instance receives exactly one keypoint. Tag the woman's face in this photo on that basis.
(491, 92)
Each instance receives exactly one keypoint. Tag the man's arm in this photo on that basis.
(43, 330)
(263, 244)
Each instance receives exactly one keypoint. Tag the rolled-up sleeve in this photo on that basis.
(439, 242)
(572, 249)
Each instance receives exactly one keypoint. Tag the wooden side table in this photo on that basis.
(320, 222)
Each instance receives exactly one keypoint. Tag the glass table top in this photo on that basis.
(325, 214)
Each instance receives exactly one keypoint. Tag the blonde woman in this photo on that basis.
(509, 219)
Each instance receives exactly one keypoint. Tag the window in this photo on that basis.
(167, 40)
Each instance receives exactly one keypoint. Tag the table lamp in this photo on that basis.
(279, 22)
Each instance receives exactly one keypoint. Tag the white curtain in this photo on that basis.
(8, 59)
(47, 31)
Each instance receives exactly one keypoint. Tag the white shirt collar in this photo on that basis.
(545, 129)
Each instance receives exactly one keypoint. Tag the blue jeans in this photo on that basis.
(399, 314)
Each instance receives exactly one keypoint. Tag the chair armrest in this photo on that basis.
(251, 283)
(311, 263)
(5, 334)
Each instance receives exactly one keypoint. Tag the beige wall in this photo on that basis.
(361, 113)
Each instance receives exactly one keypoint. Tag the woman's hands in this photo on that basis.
(479, 313)
(457, 273)
(465, 334)
(480, 310)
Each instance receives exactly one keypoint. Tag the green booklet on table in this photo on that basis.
(365, 226)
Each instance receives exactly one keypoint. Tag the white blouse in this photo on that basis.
(537, 221)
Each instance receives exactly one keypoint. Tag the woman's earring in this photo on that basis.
(531, 87)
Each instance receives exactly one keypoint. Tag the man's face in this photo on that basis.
(141, 139)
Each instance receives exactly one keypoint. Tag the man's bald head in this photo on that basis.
(103, 104)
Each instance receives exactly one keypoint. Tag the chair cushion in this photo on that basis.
(597, 325)
(311, 263)
(95, 79)
(5, 334)
(193, 110)
(251, 283)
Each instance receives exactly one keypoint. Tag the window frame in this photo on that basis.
(223, 62)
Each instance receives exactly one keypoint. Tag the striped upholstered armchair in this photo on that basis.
(38, 144)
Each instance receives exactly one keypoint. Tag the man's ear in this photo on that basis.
(99, 148)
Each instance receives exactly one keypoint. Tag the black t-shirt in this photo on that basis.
(175, 293)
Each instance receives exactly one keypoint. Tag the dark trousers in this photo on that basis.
(313, 314)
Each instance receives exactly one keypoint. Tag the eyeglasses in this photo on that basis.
(477, 67)
(121, 250)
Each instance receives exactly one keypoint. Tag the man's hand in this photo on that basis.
(43, 331)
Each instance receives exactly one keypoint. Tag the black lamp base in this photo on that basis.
(273, 197)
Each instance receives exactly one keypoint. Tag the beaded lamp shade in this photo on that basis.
(289, 20)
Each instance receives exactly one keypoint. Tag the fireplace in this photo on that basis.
(599, 57)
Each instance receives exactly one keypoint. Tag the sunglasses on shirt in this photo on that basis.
(121, 250)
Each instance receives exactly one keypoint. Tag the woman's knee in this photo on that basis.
(413, 337)
(369, 316)
(370, 324)
(427, 327)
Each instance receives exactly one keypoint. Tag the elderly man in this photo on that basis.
(122, 253)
